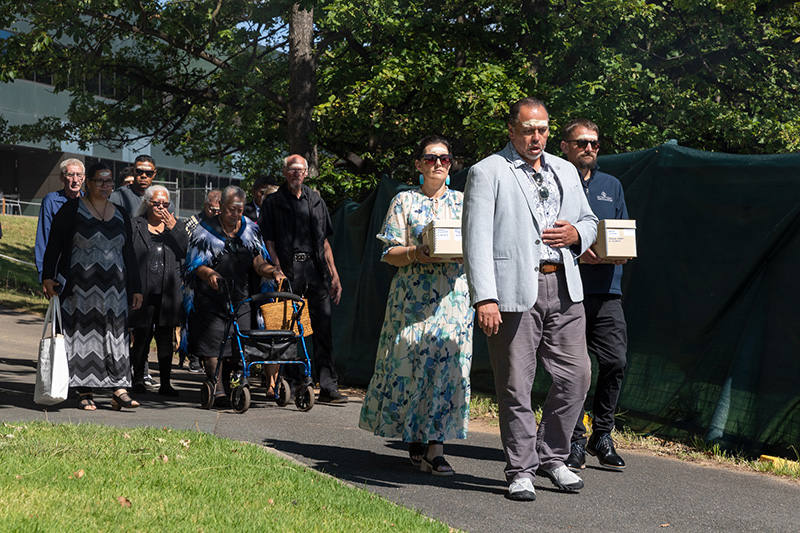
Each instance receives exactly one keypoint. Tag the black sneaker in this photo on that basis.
(577, 457)
(602, 447)
(194, 366)
(333, 396)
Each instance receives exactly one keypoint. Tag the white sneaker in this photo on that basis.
(521, 489)
(563, 478)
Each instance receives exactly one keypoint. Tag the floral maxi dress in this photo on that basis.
(420, 389)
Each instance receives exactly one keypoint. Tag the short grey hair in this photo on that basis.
(62, 167)
(213, 195)
(147, 196)
(232, 191)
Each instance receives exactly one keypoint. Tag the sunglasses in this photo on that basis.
(103, 183)
(160, 204)
(148, 173)
(444, 159)
(538, 179)
(583, 143)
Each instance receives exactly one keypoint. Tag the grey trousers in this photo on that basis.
(554, 329)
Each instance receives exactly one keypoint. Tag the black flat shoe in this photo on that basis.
(602, 447)
(333, 396)
(167, 390)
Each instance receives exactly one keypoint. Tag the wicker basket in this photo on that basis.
(278, 315)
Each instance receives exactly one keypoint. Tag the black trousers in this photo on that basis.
(307, 282)
(141, 344)
(607, 340)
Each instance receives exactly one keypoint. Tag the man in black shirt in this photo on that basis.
(295, 224)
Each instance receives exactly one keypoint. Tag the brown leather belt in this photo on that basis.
(549, 268)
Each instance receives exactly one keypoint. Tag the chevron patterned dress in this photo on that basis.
(95, 313)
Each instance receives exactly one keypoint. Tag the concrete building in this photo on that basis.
(29, 171)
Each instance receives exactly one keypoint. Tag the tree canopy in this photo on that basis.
(213, 80)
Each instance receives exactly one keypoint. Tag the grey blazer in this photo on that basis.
(502, 236)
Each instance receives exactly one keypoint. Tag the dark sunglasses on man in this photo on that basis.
(583, 143)
(148, 173)
(430, 159)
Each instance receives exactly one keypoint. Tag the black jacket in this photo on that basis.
(250, 210)
(58, 253)
(176, 242)
(277, 225)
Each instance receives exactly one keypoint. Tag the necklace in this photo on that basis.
(229, 233)
(103, 216)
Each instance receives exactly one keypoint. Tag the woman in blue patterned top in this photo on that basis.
(420, 390)
(225, 247)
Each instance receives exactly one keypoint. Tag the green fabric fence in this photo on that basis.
(714, 342)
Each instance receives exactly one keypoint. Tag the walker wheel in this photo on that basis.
(304, 397)
(283, 393)
(240, 399)
(207, 395)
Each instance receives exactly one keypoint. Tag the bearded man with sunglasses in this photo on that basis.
(525, 223)
(606, 331)
(130, 196)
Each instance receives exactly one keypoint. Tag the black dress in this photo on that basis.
(232, 258)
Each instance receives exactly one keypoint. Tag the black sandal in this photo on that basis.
(123, 399)
(86, 402)
(415, 452)
(436, 465)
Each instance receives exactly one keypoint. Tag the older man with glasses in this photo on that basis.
(296, 225)
(72, 174)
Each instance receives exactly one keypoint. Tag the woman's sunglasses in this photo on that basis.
(444, 159)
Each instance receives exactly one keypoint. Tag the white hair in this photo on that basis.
(147, 196)
(71, 162)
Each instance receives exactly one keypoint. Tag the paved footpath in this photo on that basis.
(653, 494)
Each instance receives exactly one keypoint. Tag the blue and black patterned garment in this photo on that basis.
(205, 309)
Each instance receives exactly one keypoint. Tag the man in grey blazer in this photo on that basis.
(525, 223)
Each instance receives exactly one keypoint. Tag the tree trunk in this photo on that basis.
(535, 13)
(300, 129)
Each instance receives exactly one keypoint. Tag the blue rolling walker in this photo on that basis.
(258, 347)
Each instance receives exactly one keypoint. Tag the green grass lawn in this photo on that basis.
(19, 283)
(84, 477)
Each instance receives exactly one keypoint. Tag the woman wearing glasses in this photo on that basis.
(223, 251)
(90, 250)
(420, 390)
(160, 242)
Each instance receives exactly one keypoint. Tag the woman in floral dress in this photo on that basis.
(420, 390)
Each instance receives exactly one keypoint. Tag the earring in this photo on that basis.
(421, 179)
(447, 180)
